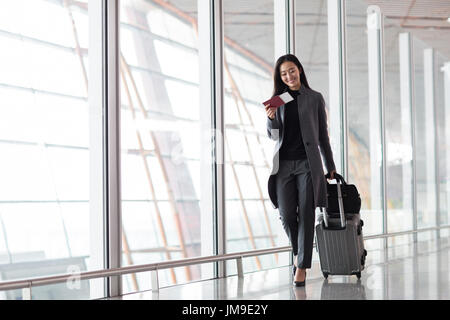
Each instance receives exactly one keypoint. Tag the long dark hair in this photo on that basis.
(278, 85)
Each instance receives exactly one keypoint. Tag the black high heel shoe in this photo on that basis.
(294, 268)
(300, 283)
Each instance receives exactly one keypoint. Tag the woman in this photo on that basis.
(297, 183)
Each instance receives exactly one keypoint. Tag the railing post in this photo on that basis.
(26, 293)
(155, 281)
(240, 269)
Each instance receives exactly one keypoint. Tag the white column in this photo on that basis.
(206, 69)
(284, 28)
(337, 84)
(406, 104)
(376, 110)
(96, 190)
(291, 26)
(430, 136)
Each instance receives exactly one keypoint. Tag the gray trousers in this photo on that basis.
(295, 196)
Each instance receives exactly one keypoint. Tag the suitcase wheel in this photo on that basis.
(363, 257)
(325, 275)
(361, 224)
(358, 275)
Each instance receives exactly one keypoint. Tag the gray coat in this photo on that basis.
(313, 124)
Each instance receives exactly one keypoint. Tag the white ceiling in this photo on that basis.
(249, 21)
(426, 19)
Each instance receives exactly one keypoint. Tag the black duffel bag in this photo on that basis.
(350, 197)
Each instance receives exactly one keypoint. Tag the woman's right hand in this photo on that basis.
(271, 111)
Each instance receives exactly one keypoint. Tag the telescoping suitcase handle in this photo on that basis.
(341, 206)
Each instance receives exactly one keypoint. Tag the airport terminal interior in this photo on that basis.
(135, 155)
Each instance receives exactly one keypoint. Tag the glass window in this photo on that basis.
(360, 158)
(163, 194)
(44, 143)
(251, 222)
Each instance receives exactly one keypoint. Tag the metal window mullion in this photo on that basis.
(219, 126)
(112, 142)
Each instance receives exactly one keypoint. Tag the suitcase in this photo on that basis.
(340, 242)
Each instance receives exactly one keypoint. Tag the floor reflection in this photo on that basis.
(342, 291)
(300, 293)
(414, 272)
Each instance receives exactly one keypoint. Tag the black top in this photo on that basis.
(292, 148)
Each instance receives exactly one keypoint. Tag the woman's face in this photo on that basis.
(290, 75)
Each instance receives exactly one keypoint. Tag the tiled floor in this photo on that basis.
(420, 271)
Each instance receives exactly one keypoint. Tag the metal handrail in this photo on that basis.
(154, 267)
(402, 233)
(40, 281)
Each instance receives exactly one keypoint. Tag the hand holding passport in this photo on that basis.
(276, 102)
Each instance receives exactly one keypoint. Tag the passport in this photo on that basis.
(278, 101)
